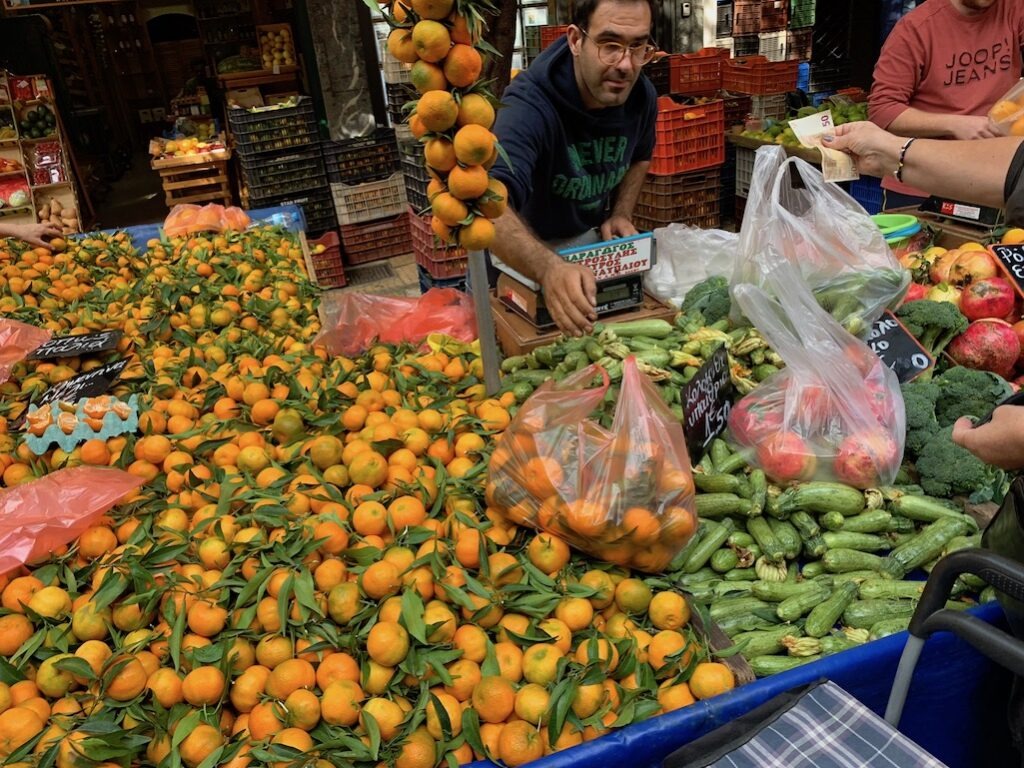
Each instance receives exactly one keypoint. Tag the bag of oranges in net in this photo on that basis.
(624, 495)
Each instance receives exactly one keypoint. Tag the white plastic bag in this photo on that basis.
(835, 412)
(794, 216)
(687, 256)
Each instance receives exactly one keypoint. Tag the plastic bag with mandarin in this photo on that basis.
(17, 341)
(624, 495)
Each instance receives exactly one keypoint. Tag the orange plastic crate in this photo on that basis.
(326, 269)
(441, 262)
(755, 75)
(697, 74)
(550, 33)
(688, 137)
(376, 240)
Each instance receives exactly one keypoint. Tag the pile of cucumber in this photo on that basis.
(794, 574)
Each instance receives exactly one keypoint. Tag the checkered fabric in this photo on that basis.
(828, 728)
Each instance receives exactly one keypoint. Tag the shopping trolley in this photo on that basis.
(823, 726)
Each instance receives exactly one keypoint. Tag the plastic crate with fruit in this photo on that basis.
(1008, 112)
(273, 174)
(737, 107)
(376, 240)
(696, 74)
(273, 129)
(686, 198)
(755, 75)
(316, 204)
(366, 158)
(357, 203)
(441, 262)
(688, 137)
(323, 261)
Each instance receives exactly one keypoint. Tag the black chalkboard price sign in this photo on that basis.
(1011, 257)
(898, 349)
(707, 402)
(73, 346)
(88, 384)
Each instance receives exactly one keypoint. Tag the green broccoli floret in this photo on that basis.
(967, 392)
(933, 323)
(710, 298)
(920, 397)
(946, 470)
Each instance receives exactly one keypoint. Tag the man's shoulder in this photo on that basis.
(926, 14)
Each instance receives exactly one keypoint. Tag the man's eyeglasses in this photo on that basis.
(611, 53)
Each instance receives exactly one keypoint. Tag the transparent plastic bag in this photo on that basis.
(352, 321)
(687, 256)
(794, 216)
(835, 412)
(624, 495)
(18, 341)
(45, 514)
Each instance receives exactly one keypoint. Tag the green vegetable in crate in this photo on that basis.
(764, 666)
(707, 302)
(825, 614)
(864, 614)
(764, 642)
(924, 547)
(822, 497)
(933, 323)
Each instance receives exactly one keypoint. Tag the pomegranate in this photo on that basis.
(941, 267)
(916, 292)
(989, 297)
(987, 345)
(865, 459)
(944, 292)
(1018, 328)
(971, 266)
(753, 419)
(786, 457)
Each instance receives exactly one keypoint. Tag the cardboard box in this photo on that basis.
(517, 335)
(245, 97)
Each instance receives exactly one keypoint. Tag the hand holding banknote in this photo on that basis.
(835, 165)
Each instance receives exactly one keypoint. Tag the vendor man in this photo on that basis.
(578, 128)
(941, 69)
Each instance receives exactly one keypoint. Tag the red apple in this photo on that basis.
(972, 266)
(990, 297)
(916, 292)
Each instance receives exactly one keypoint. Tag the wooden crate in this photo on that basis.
(517, 335)
(199, 178)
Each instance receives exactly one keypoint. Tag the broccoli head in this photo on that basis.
(710, 298)
(967, 392)
(933, 323)
(946, 470)
(920, 397)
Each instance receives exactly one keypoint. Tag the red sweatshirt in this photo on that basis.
(940, 61)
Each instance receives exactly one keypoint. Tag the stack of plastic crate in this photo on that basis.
(439, 265)
(368, 193)
(683, 183)
(414, 173)
(280, 162)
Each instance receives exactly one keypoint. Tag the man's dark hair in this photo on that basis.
(583, 12)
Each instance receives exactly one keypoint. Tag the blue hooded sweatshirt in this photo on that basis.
(567, 160)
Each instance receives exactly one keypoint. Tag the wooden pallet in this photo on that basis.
(196, 183)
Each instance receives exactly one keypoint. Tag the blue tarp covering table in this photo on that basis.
(288, 216)
(956, 709)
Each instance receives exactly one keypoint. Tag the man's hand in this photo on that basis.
(617, 226)
(570, 292)
(33, 234)
(875, 152)
(967, 127)
(1000, 442)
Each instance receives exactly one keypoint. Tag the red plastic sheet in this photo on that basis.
(43, 515)
(353, 321)
(17, 341)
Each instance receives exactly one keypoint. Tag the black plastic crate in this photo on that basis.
(398, 95)
(291, 186)
(737, 107)
(367, 158)
(410, 151)
(427, 281)
(243, 120)
(658, 73)
(745, 45)
(724, 26)
(277, 141)
(829, 76)
(267, 173)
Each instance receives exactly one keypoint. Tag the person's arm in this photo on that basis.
(972, 171)
(570, 290)
(33, 234)
(915, 122)
(620, 222)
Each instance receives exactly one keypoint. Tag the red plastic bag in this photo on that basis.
(193, 219)
(45, 514)
(17, 341)
(353, 321)
(624, 495)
